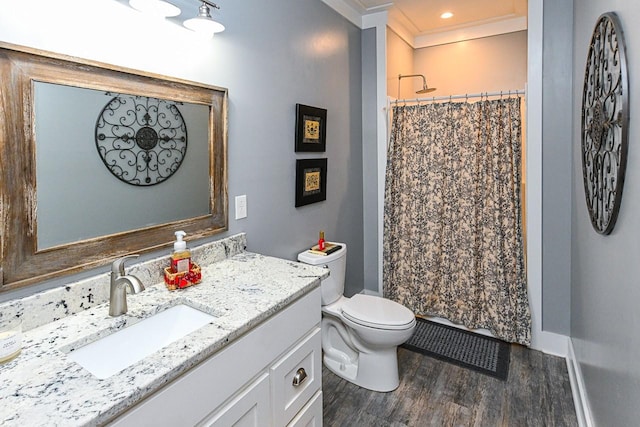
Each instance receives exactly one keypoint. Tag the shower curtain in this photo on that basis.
(453, 244)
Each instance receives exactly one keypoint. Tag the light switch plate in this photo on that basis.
(241, 206)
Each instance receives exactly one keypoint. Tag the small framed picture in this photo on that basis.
(311, 181)
(311, 128)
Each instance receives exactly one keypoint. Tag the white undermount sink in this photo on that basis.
(113, 353)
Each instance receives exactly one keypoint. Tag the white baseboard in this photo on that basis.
(580, 400)
(448, 322)
(549, 343)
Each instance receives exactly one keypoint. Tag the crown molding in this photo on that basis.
(347, 10)
(363, 18)
(489, 29)
(356, 13)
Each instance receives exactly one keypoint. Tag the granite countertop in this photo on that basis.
(42, 386)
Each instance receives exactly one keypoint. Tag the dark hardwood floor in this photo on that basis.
(437, 393)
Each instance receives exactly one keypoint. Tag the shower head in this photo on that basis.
(425, 88)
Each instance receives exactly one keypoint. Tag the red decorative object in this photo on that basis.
(182, 280)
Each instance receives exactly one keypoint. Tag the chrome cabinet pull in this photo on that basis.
(299, 377)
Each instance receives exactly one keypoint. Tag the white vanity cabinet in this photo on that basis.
(270, 376)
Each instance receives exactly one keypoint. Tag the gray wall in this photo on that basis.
(556, 173)
(279, 54)
(605, 291)
(272, 55)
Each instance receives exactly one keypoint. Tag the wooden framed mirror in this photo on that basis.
(68, 201)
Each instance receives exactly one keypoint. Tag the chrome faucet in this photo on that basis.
(119, 284)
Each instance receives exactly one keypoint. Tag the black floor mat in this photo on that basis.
(478, 352)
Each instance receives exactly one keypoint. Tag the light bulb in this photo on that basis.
(157, 8)
(204, 26)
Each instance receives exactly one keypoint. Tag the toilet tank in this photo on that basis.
(332, 287)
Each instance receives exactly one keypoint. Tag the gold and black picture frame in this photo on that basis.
(311, 181)
(311, 128)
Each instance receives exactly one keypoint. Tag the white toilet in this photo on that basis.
(360, 335)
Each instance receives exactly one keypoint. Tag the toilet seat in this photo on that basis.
(376, 312)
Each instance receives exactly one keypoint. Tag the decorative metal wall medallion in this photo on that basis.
(605, 122)
(141, 140)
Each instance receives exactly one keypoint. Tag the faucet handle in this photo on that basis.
(118, 265)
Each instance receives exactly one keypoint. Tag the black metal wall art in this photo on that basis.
(605, 122)
(141, 140)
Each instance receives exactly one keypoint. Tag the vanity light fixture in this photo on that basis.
(156, 8)
(204, 24)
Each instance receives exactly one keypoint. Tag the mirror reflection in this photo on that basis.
(108, 163)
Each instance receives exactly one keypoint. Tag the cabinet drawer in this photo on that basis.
(296, 377)
(310, 415)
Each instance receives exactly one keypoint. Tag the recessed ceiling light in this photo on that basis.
(446, 15)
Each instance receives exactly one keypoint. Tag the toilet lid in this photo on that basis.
(376, 312)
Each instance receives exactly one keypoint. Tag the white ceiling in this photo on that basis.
(419, 20)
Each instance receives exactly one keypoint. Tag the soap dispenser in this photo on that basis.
(181, 256)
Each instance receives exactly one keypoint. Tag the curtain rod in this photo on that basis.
(465, 96)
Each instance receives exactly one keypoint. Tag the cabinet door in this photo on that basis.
(310, 415)
(249, 408)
